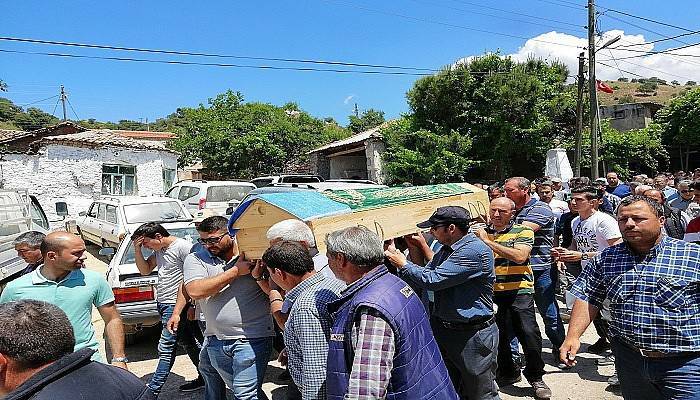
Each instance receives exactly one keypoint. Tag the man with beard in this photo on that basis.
(238, 335)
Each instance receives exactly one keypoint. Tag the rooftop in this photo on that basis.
(98, 138)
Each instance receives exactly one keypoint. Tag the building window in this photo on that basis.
(119, 179)
(168, 178)
(619, 114)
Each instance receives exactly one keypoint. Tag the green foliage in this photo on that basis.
(675, 83)
(623, 79)
(679, 122)
(647, 87)
(625, 99)
(235, 139)
(422, 157)
(3, 86)
(509, 112)
(633, 151)
(367, 120)
(13, 116)
(691, 83)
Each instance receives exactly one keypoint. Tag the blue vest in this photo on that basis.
(419, 371)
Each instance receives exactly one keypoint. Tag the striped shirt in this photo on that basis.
(511, 276)
(654, 298)
(539, 213)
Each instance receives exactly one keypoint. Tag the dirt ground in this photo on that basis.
(583, 382)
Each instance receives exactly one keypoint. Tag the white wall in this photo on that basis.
(74, 174)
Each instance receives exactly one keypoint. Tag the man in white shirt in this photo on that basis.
(546, 193)
(593, 232)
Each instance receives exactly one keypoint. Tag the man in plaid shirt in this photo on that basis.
(653, 284)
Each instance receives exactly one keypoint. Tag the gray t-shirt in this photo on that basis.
(240, 310)
(169, 262)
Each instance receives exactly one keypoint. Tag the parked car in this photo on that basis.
(134, 294)
(291, 178)
(110, 219)
(216, 195)
(19, 213)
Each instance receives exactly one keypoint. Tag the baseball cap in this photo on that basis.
(602, 180)
(446, 215)
(554, 179)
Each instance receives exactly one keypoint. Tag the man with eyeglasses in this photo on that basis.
(239, 331)
(462, 276)
(684, 196)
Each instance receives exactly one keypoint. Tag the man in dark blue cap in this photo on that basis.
(461, 274)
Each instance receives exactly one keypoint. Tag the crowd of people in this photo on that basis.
(448, 312)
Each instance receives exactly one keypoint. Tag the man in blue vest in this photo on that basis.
(381, 344)
(461, 274)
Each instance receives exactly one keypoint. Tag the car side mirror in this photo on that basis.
(107, 252)
(61, 208)
(82, 214)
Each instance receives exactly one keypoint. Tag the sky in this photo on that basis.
(423, 34)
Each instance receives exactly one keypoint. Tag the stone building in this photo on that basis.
(78, 167)
(356, 157)
(625, 117)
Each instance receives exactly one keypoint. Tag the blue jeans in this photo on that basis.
(545, 283)
(214, 386)
(167, 347)
(241, 363)
(669, 378)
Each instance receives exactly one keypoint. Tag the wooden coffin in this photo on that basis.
(390, 212)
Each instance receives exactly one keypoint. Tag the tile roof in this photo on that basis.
(99, 138)
(354, 139)
(148, 135)
(8, 135)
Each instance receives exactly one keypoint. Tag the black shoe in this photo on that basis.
(598, 347)
(508, 380)
(519, 361)
(542, 391)
(192, 385)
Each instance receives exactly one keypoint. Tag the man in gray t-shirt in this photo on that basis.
(169, 253)
(238, 335)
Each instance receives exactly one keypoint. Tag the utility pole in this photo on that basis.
(357, 111)
(579, 114)
(592, 89)
(63, 102)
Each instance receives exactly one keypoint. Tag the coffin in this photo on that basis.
(390, 212)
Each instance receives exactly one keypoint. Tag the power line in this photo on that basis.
(645, 19)
(517, 13)
(73, 109)
(178, 62)
(666, 52)
(471, 12)
(201, 54)
(570, 5)
(38, 101)
(469, 28)
(659, 40)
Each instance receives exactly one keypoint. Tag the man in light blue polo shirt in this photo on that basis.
(62, 281)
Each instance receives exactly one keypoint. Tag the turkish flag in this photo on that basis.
(603, 87)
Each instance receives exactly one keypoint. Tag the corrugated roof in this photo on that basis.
(99, 138)
(357, 138)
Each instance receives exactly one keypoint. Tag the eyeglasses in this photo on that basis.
(687, 191)
(211, 240)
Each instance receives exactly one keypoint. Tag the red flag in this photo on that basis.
(603, 87)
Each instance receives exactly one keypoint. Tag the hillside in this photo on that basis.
(628, 92)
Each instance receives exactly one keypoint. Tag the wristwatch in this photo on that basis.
(120, 359)
(585, 256)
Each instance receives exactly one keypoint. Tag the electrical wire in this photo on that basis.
(658, 40)
(517, 13)
(38, 101)
(201, 54)
(73, 109)
(629, 72)
(644, 18)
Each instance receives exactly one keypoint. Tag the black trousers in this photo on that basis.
(517, 312)
(470, 357)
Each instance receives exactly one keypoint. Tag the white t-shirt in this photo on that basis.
(558, 207)
(592, 234)
(169, 262)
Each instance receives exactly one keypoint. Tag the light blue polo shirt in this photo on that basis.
(75, 295)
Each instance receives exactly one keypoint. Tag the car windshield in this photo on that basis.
(150, 212)
(227, 193)
(190, 234)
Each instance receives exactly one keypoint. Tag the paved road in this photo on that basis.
(585, 381)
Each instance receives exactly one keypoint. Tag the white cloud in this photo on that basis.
(347, 99)
(664, 66)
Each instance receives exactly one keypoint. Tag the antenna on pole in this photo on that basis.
(357, 111)
(63, 99)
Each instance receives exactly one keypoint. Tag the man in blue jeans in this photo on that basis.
(239, 331)
(653, 283)
(538, 216)
(168, 256)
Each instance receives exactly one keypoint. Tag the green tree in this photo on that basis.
(633, 151)
(235, 139)
(679, 121)
(647, 87)
(690, 83)
(367, 120)
(34, 118)
(510, 112)
(623, 79)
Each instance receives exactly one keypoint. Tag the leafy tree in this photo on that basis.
(3, 86)
(623, 79)
(8, 110)
(690, 83)
(675, 83)
(510, 112)
(625, 99)
(34, 118)
(647, 87)
(638, 150)
(241, 140)
(367, 120)
(679, 121)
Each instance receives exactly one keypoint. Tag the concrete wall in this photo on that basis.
(374, 147)
(625, 117)
(348, 166)
(74, 174)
